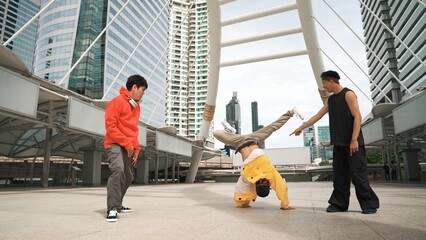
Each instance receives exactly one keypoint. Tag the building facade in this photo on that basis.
(406, 19)
(255, 121)
(14, 14)
(309, 140)
(134, 43)
(187, 67)
(233, 113)
(325, 150)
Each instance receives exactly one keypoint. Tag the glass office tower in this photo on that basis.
(406, 19)
(135, 40)
(309, 140)
(14, 14)
(233, 113)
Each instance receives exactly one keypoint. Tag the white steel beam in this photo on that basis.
(264, 58)
(260, 14)
(304, 8)
(213, 18)
(263, 36)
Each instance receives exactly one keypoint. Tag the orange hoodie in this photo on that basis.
(121, 122)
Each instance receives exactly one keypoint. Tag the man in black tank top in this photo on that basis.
(348, 146)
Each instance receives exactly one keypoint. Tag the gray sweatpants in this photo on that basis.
(237, 140)
(121, 177)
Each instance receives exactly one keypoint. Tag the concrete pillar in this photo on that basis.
(173, 170)
(193, 168)
(142, 168)
(47, 155)
(411, 164)
(92, 158)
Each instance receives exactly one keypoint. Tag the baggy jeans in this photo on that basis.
(237, 140)
(121, 177)
(353, 168)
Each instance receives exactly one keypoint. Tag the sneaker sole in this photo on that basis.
(111, 220)
(126, 211)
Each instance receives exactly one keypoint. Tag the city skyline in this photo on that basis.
(280, 85)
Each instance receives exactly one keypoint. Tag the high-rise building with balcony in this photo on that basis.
(388, 58)
(14, 14)
(187, 67)
(134, 43)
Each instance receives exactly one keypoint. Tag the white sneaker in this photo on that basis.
(228, 127)
(298, 114)
(112, 216)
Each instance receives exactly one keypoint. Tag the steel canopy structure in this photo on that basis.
(40, 119)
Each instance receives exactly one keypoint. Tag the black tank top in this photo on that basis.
(341, 120)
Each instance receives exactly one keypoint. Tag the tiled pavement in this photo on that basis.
(207, 211)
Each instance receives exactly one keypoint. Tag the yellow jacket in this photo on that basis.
(255, 167)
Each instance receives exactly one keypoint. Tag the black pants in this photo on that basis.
(345, 169)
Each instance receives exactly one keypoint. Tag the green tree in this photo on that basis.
(324, 163)
(374, 158)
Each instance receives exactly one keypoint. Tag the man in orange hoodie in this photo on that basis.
(121, 142)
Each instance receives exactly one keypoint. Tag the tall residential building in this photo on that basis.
(309, 140)
(14, 14)
(233, 113)
(406, 19)
(325, 150)
(187, 67)
(68, 27)
(255, 121)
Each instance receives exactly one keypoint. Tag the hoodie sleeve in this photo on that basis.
(278, 184)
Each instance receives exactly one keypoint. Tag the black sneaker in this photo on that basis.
(369, 211)
(125, 210)
(333, 208)
(112, 216)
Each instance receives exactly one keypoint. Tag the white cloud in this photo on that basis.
(279, 85)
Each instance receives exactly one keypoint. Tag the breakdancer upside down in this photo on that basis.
(258, 173)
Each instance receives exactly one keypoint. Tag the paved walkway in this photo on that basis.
(207, 211)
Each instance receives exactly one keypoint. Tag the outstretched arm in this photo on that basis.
(312, 120)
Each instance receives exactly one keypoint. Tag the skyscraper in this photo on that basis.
(233, 113)
(309, 140)
(69, 27)
(14, 14)
(187, 67)
(406, 19)
(324, 149)
(254, 116)
(255, 121)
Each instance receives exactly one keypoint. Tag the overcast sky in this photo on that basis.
(279, 85)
